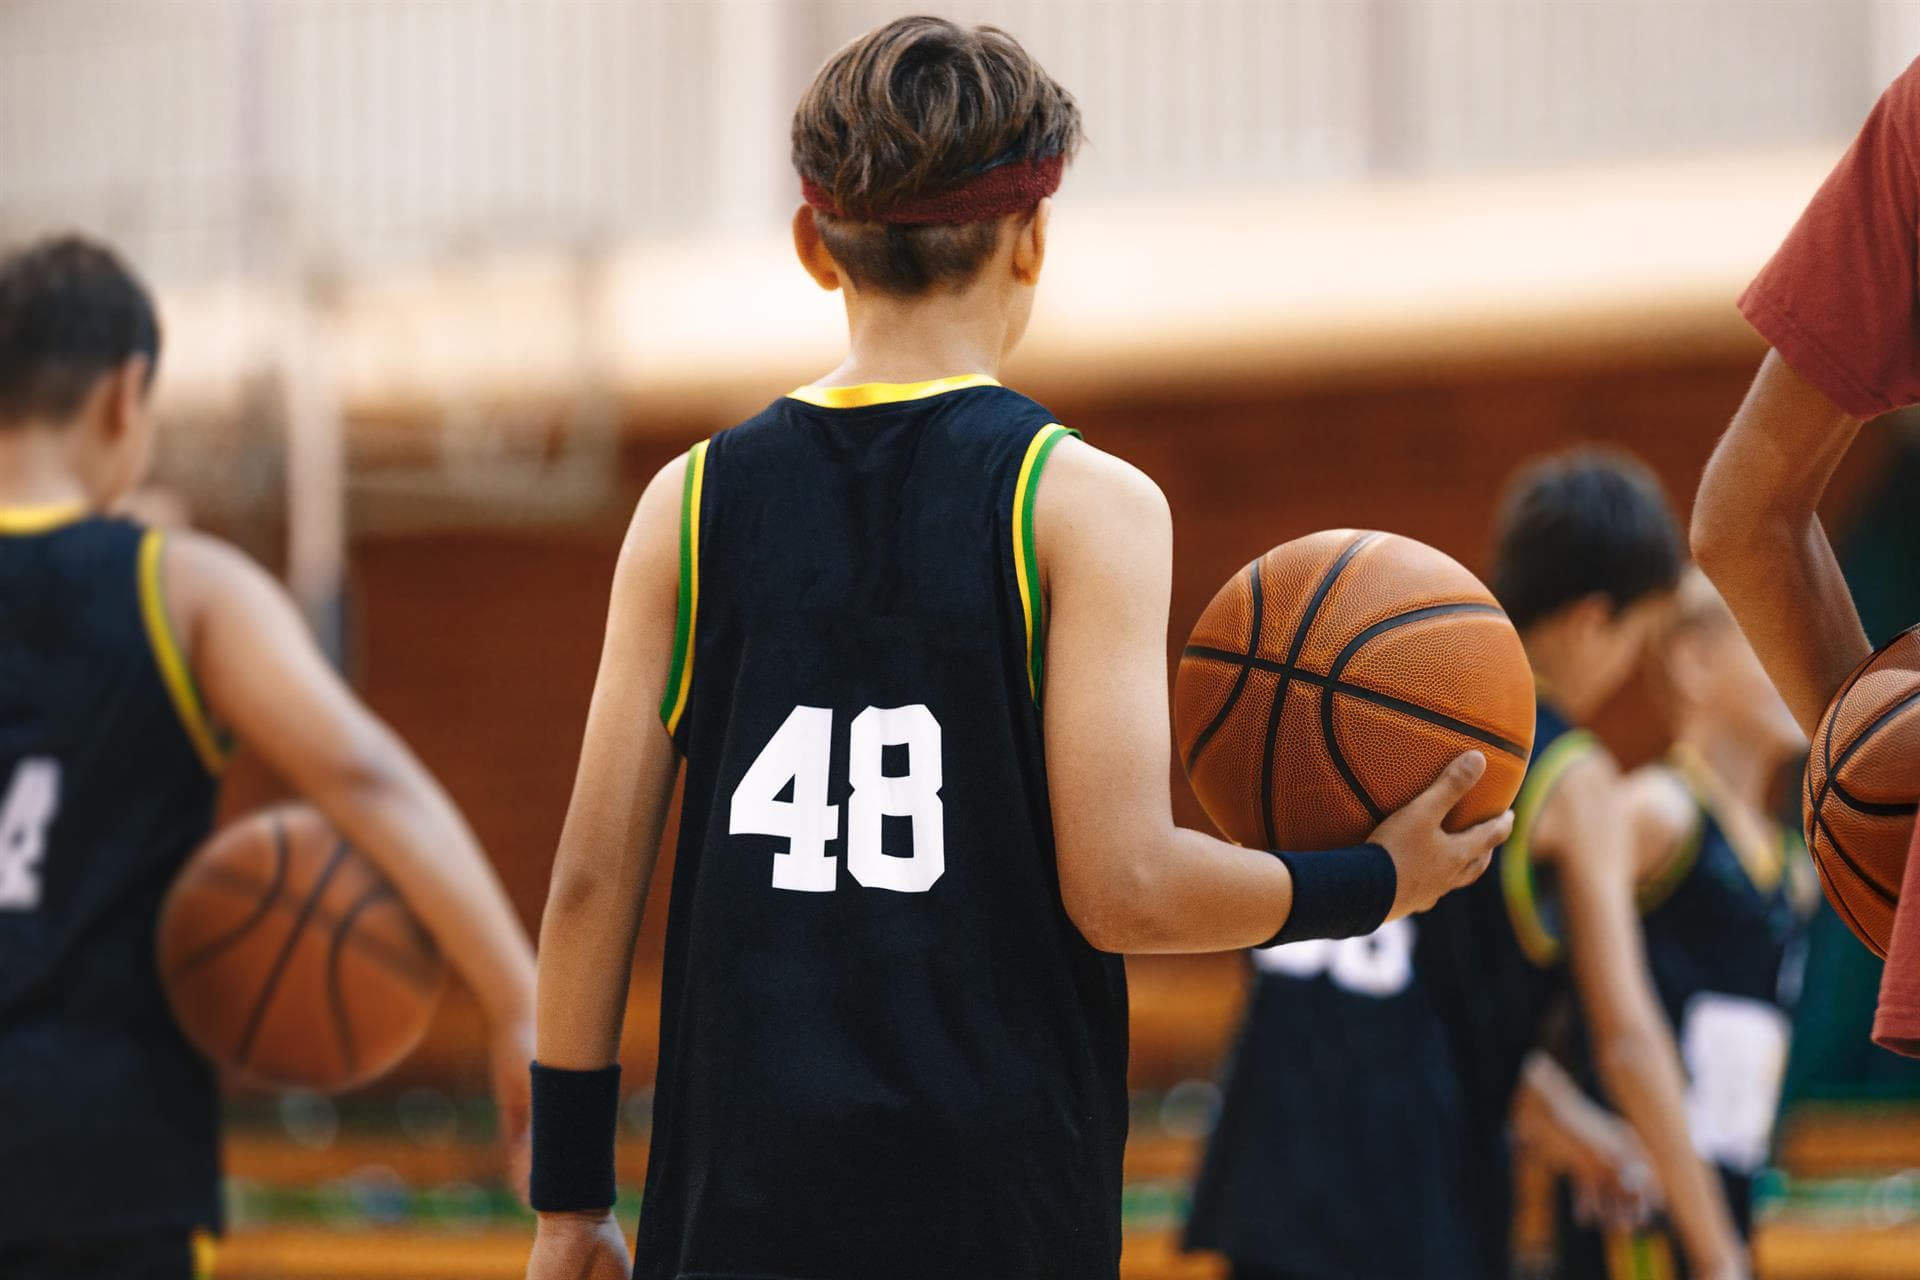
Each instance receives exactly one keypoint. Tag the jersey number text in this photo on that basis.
(27, 807)
(798, 753)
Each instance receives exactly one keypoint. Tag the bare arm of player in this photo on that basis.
(1131, 880)
(265, 678)
(608, 848)
(1583, 831)
(1757, 534)
(1571, 1133)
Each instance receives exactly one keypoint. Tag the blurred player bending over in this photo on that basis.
(1365, 1125)
(893, 1026)
(121, 650)
(1839, 307)
(1724, 893)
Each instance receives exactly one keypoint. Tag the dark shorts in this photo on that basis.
(169, 1255)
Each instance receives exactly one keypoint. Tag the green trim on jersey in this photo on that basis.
(1026, 560)
(680, 672)
(1537, 938)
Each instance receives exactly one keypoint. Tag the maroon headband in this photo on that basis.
(1013, 187)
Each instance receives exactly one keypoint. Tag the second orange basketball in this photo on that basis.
(1331, 680)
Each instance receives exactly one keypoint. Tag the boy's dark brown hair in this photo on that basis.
(71, 312)
(914, 108)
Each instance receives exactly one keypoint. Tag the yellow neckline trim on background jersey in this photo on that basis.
(1516, 855)
(174, 672)
(872, 393)
(1764, 863)
(1026, 560)
(40, 519)
(687, 609)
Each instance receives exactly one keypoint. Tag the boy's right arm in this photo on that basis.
(1757, 534)
(264, 677)
(608, 848)
(1130, 879)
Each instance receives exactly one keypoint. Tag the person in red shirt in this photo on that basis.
(1839, 304)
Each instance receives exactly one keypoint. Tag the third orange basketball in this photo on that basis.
(1862, 782)
(1331, 680)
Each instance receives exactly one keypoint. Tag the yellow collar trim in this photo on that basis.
(871, 393)
(40, 519)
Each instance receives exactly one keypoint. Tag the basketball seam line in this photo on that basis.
(1340, 662)
(1839, 900)
(1239, 680)
(208, 950)
(1828, 781)
(1278, 709)
(1820, 821)
(1364, 694)
(1872, 808)
(388, 958)
(286, 953)
(336, 949)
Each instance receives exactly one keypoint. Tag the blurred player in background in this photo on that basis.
(1365, 1128)
(893, 1027)
(1725, 894)
(1839, 306)
(124, 654)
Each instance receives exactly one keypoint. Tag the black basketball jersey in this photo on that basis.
(885, 1049)
(106, 785)
(1725, 938)
(1363, 1128)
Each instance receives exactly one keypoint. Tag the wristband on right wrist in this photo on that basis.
(576, 1120)
(1341, 893)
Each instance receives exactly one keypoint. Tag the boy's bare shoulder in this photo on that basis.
(1085, 489)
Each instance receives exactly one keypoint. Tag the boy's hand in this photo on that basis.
(1612, 1182)
(579, 1246)
(1428, 861)
(510, 1057)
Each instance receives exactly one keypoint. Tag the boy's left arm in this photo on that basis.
(263, 676)
(1584, 832)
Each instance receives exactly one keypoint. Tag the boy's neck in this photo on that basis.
(1740, 771)
(1563, 679)
(36, 468)
(940, 334)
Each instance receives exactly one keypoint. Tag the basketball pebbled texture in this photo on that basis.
(1863, 778)
(288, 960)
(1331, 680)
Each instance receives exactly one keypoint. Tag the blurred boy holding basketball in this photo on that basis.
(1838, 305)
(1724, 894)
(1403, 1057)
(124, 651)
(893, 1029)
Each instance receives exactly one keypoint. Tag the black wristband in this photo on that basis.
(1342, 893)
(576, 1118)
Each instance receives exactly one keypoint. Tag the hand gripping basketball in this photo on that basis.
(1429, 861)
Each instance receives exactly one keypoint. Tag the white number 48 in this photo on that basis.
(27, 807)
(798, 753)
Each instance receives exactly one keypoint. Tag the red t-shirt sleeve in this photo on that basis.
(1897, 1025)
(1840, 301)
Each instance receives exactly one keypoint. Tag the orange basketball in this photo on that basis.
(289, 960)
(1332, 679)
(1862, 782)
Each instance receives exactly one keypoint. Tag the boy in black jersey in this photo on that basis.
(1724, 892)
(1365, 1128)
(893, 1029)
(126, 654)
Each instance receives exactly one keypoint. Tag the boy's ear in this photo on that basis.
(1030, 244)
(811, 249)
(125, 395)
